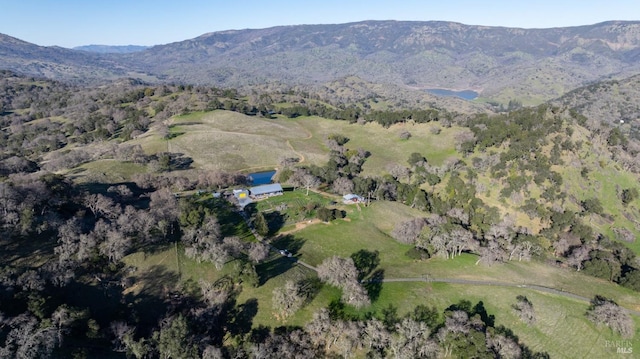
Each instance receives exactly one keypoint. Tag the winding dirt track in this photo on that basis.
(538, 288)
(429, 279)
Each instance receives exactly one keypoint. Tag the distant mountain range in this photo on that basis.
(530, 65)
(109, 49)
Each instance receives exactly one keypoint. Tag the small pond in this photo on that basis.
(258, 178)
(465, 94)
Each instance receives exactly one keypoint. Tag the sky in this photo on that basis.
(70, 23)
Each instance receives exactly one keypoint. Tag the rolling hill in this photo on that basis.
(612, 101)
(56, 62)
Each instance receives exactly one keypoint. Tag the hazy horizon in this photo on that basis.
(75, 23)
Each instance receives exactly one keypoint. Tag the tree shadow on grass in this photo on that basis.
(309, 287)
(154, 300)
(259, 334)
(242, 321)
(478, 309)
(103, 301)
(273, 268)
(157, 280)
(288, 242)
(365, 261)
(176, 134)
(150, 249)
(103, 188)
(374, 284)
(488, 319)
(231, 221)
(25, 250)
(275, 220)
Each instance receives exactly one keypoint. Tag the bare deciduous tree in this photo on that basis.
(503, 347)
(375, 335)
(164, 205)
(564, 243)
(524, 310)
(121, 190)
(209, 249)
(578, 256)
(447, 242)
(115, 246)
(258, 252)
(68, 240)
(523, 250)
(211, 352)
(408, 231)
(343, 185)
(213, 293)
(411, 340)
(398, 172)
(122, 333)
(624, 235)
(404, 135)
(205, 244)
(234, 245)
(459, 214)
(607, 312)
(342, 273)
(334, 336)
(99, 204)
(492, 253)
(457, 322)
(302, 178)
(287, 162)
(27, 338)
(319, 326)
(286, 300)
(310, 181)
(355, 294)
(296, 344)
(337, 270)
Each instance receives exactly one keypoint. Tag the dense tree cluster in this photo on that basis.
(81, 238)
(466, 331)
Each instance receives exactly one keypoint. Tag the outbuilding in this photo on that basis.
(266, 190)
(242, 195)
(352, 198)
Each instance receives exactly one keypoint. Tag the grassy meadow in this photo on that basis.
(235, 142)
(106, 171)
(561, 328)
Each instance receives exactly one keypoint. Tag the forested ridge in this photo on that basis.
(65, 290)
(502, 63)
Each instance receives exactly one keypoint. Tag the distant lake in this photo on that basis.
(258, 178)
(466, 94)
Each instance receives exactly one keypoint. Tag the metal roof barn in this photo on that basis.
(265, 189)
